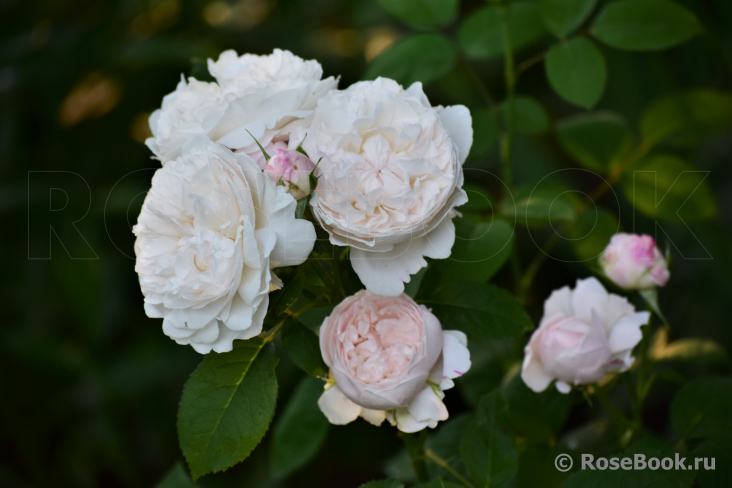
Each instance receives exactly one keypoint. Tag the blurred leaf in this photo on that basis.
(485, 132)
(543, 424)
(420, 57)
(482, 311)
(687, 118)
(299, 431)
(489, 454)
(596, 140)
(576, 70)
(438, 483)
(422, 12)
(303, 348)
(702, 408)
(716, 449)
(666, 187)
(540, 205)
(227, 406)
(479, 250)
(177, 478)
(314, 317)
(390, 483)
(415, 281)
(479, 200)
(563, 16)
(691, 349)
(645, 25)
(536, 467)
(531, 117)
(445, 442)
(290, 293)
(591, 233)
(481, 36)
(485, 373)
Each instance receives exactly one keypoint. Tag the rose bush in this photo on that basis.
(389, 359)
(211, 230)
(391, 176)
(634, 262)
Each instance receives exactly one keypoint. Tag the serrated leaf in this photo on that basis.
(563, 16)
(489, 454)
(421, 57)
(596, 140)
(577, 71)
(482, 311)
(702, 408)
(290, 293)
(481, 35)
(645, 25)
(530, 116)
(227, 406)
(687, 118)
(303, 348)
(666, 187)
(299, 431)
(422, 12)
(479, 250)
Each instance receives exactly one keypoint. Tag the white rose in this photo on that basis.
(391, 175)
(211, 228)
(634, 262)
(389, 359)
(585, 333)
(267, 95)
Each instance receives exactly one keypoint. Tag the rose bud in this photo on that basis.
(633, 262)
(291, 169)
(585, 333)
(389, 359)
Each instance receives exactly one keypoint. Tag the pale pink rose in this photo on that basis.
(291, 169)
(633, 262)
(389, 359)
(585, 333)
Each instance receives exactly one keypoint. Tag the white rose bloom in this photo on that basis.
(211, 228)
(585, 333)
(267, 95)
(391, 175)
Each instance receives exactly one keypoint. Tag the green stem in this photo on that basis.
(432, 456)
(634, 400)
(509, 75)
(414, 444)
(621, 421)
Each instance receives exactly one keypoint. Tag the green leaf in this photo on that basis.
(421, 57)
(302, 204)
(702, 408)
(445, 442)
(563, 16)
(489, 454)
(576, 70)
(303, 348)
(422, 12)
(176, 478)
(438, 483)
(591, 233)
(479, 200)
(227, 406)
(666, 187)
(314, 317)
(485, 132)
(540, 205)
(481, 36)
(687, 118)
(645, 25)
(290, 293)
(299, 431)
(482, 311)
(531, 118)
(596, 140)
(542, 424)
(390, 483)
(479, 251)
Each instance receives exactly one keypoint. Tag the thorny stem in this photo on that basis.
(432, 456)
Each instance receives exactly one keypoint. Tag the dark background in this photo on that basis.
(89, 386)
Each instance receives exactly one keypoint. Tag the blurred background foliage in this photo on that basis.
(89, 386)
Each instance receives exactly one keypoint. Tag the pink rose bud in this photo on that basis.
(292, 170)
(585, 333)
(389, 360)
(633, 262)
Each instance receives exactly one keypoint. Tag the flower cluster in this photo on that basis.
(222, 216)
